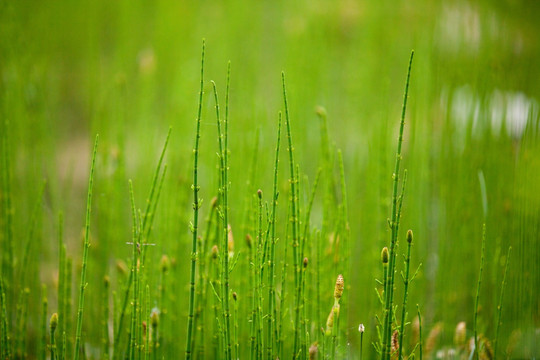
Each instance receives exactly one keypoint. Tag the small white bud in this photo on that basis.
(361, 328)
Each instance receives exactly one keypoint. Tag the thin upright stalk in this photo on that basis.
(144, 234)
(6, 353)
(195, 224)
(475, 326)
(61, 278)
(8, 257)
(135, 272)
(282, 312)
(53, 326)
(86, 246)
(105, 322)
(294, 221)
(394, 224)
(271, 263)
(258, 278)
(419, 332)
(499, 308)
(43, 341)
(223, 157)
(225, 295)
(235, 335)
(405, 292)
(68, 323)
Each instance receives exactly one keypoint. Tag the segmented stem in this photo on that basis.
(86, 246)
(189, 343)
(499, 308)
(476, 350)
(394, 225)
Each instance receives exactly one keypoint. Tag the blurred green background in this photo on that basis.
(130, 69)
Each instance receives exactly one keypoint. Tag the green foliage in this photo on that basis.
(255, 277)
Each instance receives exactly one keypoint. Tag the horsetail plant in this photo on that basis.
(361, 330)
(44, 314)
(499, 307)
(135, 271)
(406, 282)
(271, 319)
(20, 339)
(294, 221)
(142, 238)
(195, 224)
(394, 226)
(53, 324)
(105, 322)
(226, 239)
(86, 246)
(5, 340)
(154, 321)
(61, 277)
(419, 331)
(475, 325)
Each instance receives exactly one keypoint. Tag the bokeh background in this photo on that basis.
(130, 69)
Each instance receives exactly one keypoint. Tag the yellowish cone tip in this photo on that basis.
(165, 263)
(305, 262)
(384, 256)
(259, 193)
(460, 336)
(215, 252)
(54, 321)
(154, 318)
(213, 202)
(121, 267)
(249, 240)
(106, 280)
(409, 236)
(234, 295)
(330, 322)
(321, 111)
(338, 290)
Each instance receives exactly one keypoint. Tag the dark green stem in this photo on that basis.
(394, 224)
(86, 246)
(194, 226)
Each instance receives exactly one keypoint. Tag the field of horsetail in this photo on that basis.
(308, 180)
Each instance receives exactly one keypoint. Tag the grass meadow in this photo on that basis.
(276, 179)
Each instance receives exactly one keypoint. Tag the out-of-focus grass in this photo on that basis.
(127, 70)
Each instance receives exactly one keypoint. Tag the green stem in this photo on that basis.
(419, 332)
(6, 353)
(475, 326)
(258, 282)
(271, 263)
(53, 344)
(134, 271)
(394, 224)
(86, 246)
(279, 334)
(43, 340)
(223, 136)
(499, 308)
(294, 220)
(196, 205)
(405, 293)
(105, 322)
